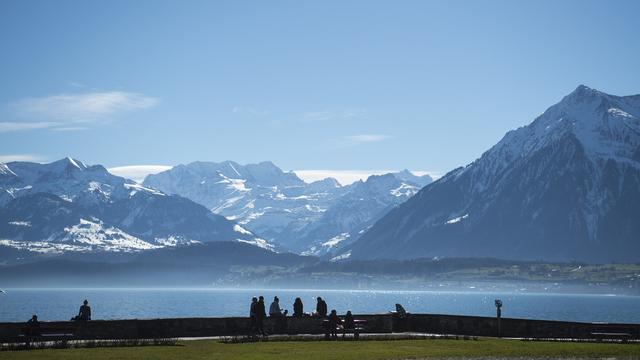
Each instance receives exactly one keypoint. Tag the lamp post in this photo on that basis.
(499, 314)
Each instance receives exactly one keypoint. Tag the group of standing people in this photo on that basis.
(257, 313)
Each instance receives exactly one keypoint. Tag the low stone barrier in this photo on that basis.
(380, 323)
(509, 327)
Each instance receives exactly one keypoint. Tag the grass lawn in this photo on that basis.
(310, 350)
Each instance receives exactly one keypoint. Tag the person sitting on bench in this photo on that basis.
(349, 323)
(298, 309)
(334, 322)
(275, 310)
(84, 314)
(33, 327)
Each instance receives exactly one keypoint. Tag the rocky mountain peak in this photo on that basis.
(560, 188)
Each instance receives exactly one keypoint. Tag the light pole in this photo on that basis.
(499, 314)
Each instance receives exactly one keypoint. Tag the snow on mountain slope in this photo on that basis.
(355, 211)
(68, 178)
(605, 125)
(96, 234)
(561, 188)
(281, 207)
(90, 209)
(260, 197)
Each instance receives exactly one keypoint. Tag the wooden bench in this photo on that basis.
(46, 332)
(359, 327)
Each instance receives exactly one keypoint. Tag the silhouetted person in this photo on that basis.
(280, 325)
(298, 308)
(321, 308)
(260, 315)
(349, 323)
(334, 321)
(253, 317)
(84, 313)
(33, 327)
(275, 310)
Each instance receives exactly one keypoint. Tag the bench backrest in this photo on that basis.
(49, 329)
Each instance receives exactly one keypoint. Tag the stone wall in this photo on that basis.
(520, 328)
(383, 323)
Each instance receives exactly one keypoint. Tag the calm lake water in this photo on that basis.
(62, 304)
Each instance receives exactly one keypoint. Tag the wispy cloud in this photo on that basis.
(249, 110)
(366, 138)
(20, 157)
(77, 84)
(137, 172)
(346, 177)
(66, 111)
(328, 115)
(81, 107)
(318, 116)
(9, 126)
(70, 128)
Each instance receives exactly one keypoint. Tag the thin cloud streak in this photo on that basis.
(249, 111)
(137, 172)
(11, 126)
(66, 112)
(328, 115)
(359, 139)
(70, 128)
(367, 138)
(346, 177)
(83, 107)
(20, 157)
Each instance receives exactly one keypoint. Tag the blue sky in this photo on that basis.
(358, 85)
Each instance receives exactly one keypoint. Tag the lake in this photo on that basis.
(62, 304)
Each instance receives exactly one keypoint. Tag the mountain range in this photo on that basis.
(565, 187)
(315, 218)
(67, 206)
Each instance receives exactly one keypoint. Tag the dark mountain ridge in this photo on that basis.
(566, 187)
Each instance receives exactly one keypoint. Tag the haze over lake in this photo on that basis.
(61, 304)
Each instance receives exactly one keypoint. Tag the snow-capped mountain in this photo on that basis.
(565, 187)
(280, 206)
(260, 197)
(355, 211)
(69, 206)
